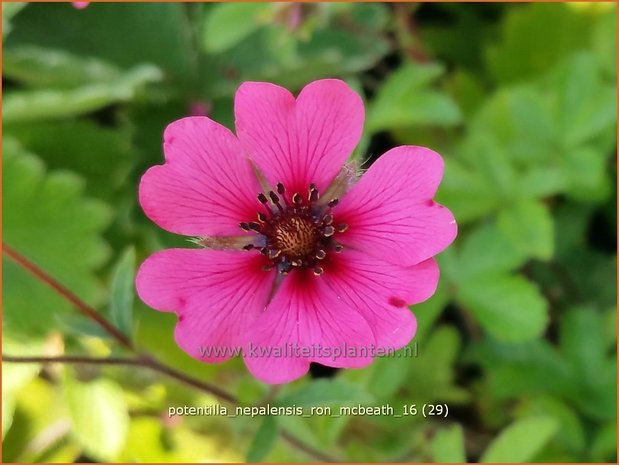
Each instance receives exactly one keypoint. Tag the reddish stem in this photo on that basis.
(78, 303)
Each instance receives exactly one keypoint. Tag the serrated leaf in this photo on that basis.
(40, 67)
(520, 441)
(122, 293)
(448, 445)
(508, 307)
(529, 228)
(75, 145)
(406, 99)
(227, 24)
(99, 416)
(263, 440)
(323, 392)
(60, 233)
(33, 105)
(466, 192)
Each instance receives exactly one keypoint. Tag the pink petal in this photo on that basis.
(381, 292)
(390, 212)
(305, 314)
(206, 187)
(80, 5)
(299, 142)
(216, 294)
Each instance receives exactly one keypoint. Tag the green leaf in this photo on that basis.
(486, 250)
(586, 172)
(581, 341)
(586, 106)
(122, 294)
(571, 433)
(57, 143)
(32, 105)
(604, 446)
(227, 24)
(605, 42)
(40, 67)
(520, 441)
(326, 392)
(431, 376)
(119, 33)
(406, 99)
(263, 440)
(8, 11)
(508, 307)
(529, 228)
(448, 445)
(15, 376)
(269, 54)
(517, 369)
(60, 233)
(467, 193)
(99, 416)
(518, 55)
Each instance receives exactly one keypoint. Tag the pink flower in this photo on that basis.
(80, 5)
(289, 273)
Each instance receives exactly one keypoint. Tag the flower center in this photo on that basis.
(295, 233)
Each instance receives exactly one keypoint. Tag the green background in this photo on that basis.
(520, 338)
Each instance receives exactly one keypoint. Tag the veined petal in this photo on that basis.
(216, 294)
(381, 292)
(390, 212)
(302, 141)
(305, 315)
(207, 185)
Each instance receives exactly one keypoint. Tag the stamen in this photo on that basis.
(313, 193)
(273, 253)
(275, 200)
(328, 231)
(255, 227)
(274, 197)
(299, 235)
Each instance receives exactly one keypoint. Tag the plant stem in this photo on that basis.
(78, 303)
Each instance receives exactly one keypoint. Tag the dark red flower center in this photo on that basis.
(295, 233)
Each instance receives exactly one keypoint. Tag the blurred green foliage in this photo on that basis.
(520, 338)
